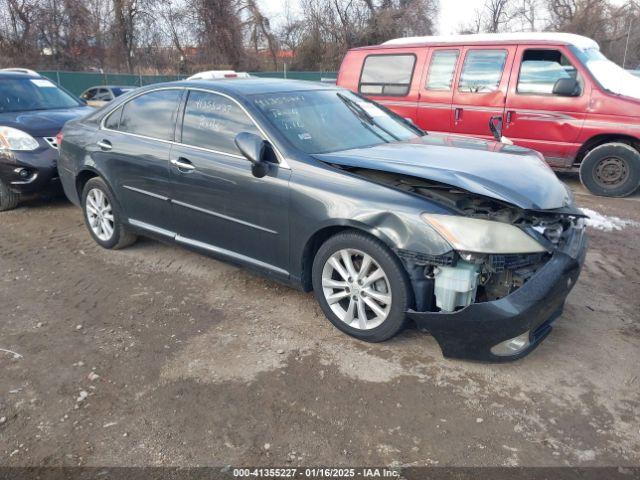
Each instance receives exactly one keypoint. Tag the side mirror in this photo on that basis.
(495, 125)
(566, 87)
(253, 148)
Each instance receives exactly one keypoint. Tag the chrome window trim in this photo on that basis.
(282, 162)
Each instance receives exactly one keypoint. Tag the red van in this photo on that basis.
(552, 92)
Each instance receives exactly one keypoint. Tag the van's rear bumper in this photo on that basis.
(472, 332)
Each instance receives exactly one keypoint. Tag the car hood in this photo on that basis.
(42, 123)
(508, 173)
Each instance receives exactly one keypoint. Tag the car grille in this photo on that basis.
(53, 143)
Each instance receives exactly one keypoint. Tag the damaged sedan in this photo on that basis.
(476, 242)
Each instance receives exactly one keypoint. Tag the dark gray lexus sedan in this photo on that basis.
(477, 242)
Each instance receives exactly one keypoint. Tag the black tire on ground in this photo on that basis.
(402, 296)
(8, 199)
(121, 237)
(611, 170)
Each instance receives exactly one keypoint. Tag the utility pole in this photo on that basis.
(626, 46)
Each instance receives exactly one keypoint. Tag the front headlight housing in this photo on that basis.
(16, 140)
(482, 236)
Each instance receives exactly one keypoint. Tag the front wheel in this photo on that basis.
(8, 199)
(361, 286)
(611, 170)
(102, 216)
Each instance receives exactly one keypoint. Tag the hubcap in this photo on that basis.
(611, 171)
(99, 214)
(356, 288)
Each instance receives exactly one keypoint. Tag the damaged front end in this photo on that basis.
(493, 296)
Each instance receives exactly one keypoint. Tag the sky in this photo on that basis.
(453, 13)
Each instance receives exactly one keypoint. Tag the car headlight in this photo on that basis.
(14, 139)
(482, 236)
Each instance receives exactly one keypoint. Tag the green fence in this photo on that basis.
(78, 82)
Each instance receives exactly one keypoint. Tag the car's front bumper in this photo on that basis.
(473, 331)
(40, 164)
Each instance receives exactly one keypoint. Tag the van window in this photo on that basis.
(387, 74)
(482, 71)
(441, 69)
(541, 69)
(213, 121)
(151, 114)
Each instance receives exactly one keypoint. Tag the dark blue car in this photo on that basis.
(477, 242)
(32, 112)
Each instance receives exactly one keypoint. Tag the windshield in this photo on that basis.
(323, 121)
(608, 74)
(25, 94)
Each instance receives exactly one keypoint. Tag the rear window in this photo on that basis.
(151, 114)
(482, 71)
(387, 74)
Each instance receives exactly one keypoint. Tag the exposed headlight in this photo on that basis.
(482, 236)
(14, 139)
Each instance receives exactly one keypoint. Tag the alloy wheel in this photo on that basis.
(100, 214)
(356, 288)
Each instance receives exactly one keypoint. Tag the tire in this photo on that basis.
(8, 199)
(95, 194)
(376, 327)
(611, 170)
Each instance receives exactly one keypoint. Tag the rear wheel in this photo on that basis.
(361, 286)
(102, 216)
(611, 170)
(8, 199)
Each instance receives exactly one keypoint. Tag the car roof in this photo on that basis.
(19, 75)
(254, 85)
(491, 38)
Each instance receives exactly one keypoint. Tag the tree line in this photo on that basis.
(183, 36)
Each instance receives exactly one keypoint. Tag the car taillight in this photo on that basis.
(59, 138)
(230, 75)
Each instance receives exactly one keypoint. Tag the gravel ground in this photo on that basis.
(155, 355)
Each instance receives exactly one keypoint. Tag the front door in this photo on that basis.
(481, 89)
(132, 151)
(217, 203)
(535, 117)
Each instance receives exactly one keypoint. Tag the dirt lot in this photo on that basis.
(185, 360)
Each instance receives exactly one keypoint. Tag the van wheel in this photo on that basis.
(611, 170)
(8, 199)
(361, 286)
(102, 216)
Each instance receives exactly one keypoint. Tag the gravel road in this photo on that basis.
(155, 355)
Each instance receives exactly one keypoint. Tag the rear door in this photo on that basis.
(436, 89)
(481, 89)
(388, 79)
(217, 202)
(535, 117)
(132, 151)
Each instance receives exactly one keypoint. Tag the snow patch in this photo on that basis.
(606, 223)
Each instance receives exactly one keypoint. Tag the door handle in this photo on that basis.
(105, 144)
(457, 114)
(183, 164)
(509, 115)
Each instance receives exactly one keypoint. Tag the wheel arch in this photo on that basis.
(325, 232)
(603, 138)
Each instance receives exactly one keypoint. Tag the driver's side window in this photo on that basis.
(541, 69)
